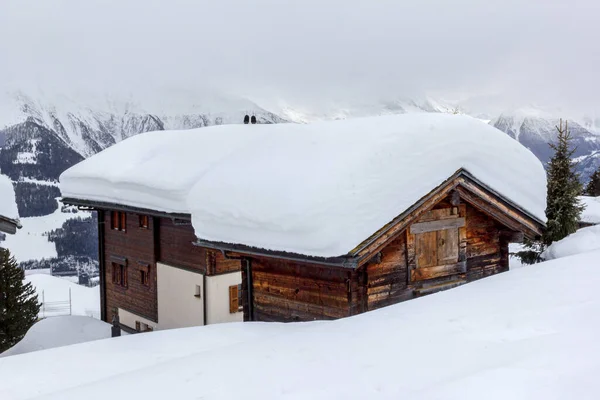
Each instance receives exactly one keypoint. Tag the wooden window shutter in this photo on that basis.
(123, 221)
(124, 275)
(115, 274)
(114, 220)
(233, 299)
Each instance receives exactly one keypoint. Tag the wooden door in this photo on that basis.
(437, 249)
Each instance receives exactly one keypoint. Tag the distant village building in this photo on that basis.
(9, 219)
(303, 222)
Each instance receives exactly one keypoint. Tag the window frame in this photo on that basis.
(144, 221)
(118, 221)
(120, 275)
(145, 275)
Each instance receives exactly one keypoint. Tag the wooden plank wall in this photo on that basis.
(286, 291)
(217, 263)
(136, 245)
(387, 281)
(177, 248)
(486, 253)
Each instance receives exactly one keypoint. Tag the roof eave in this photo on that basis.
(340, 262)
(102, 205)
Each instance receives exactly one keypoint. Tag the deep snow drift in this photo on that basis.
(517, 335)
(60, 331)
(318, 189)
(591, 214)
(8, 205)
(584, 240)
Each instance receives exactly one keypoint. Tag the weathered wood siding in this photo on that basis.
(387, 281)
(136, 248)
(487, 252)
(287, 291)
(480, 243)
(177, 248)
(218, 264)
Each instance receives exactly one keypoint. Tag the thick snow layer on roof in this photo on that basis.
(591, 214)
(154, 170)
(318, 189)
(517, 335)
(8, 205)
(322, 189)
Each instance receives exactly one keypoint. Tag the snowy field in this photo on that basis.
(84, 300)
(526, 334)
(31, 241)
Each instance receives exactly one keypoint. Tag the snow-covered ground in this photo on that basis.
(530, 333)
(60, 331)
(591, 213)
(31, 241)
(51, 289)
(584, 240)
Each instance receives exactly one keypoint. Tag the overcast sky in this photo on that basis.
(543, 51)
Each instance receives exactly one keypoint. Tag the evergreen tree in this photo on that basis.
(593, 187)
(19, 305)
(563, 209)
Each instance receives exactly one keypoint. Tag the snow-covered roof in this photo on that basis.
(591, 213)
(8, 205)
(317, 189)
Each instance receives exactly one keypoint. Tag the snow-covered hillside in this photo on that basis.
(518, 335)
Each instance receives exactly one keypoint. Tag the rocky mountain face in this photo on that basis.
(536, 131)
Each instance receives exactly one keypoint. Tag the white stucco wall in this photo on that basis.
(177, 305)
(217, 293)
(128, 319)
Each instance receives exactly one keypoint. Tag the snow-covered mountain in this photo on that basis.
(535, 129)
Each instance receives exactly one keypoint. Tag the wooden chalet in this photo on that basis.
(153, 277)
(457, 233)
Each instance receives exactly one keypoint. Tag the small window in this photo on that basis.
(145, 275)
(138, 326)
(119, 275)
(119, 221)
(144, 221)
(235, 303)
(198, 291)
